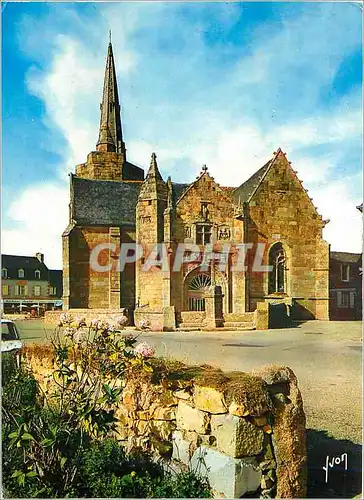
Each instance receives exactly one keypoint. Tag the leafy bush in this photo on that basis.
(107, 471)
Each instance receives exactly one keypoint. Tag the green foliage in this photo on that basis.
(56, 445)
(109, 472)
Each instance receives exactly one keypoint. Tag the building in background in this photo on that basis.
(27, 284)
(345, 286)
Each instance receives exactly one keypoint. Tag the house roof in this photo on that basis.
(346, 257)
(12, 263)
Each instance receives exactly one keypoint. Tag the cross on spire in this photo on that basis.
(110, 133)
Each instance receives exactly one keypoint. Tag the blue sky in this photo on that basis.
(224, 84)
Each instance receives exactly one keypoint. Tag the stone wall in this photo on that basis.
(52, 317)
(245, 432)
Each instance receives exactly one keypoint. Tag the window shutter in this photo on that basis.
(339, 299)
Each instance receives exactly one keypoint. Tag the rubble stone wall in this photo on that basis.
(245, 432)
(52, 317)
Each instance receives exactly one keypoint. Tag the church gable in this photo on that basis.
(282, 186)
(204, 202)
(280, 204)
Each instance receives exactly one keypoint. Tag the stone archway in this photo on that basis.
(278, 277)
(196, 285)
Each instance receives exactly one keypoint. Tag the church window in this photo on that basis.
(4, 272)
(203, 234)
(37, 274)
(20, 273)
(277, 260)
(196, 289)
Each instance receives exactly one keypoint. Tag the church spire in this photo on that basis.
(110, 134)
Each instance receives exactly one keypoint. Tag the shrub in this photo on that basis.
(107, 471)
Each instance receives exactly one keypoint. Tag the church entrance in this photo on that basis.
(195, 291)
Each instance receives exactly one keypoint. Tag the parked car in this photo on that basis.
(10, 341)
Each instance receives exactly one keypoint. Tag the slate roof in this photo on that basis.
(346, 257)
(245, 191)
(12, 263)
(179, 189)
(107, 203)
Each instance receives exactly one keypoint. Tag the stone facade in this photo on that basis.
(270, 213)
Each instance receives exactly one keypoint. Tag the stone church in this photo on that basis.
(269, 220)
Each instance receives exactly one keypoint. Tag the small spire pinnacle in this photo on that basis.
(153, 186)
(204, 168)
(153, 169)
(110, 133)
(109, 36)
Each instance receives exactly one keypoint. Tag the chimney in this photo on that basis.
(40, 257)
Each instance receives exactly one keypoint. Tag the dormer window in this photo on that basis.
(4, 272)
(37, 274)
(20, 273)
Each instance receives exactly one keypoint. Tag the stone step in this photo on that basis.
(188, 328)
(233, 324)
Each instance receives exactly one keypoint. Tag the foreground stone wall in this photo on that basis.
(52, 317)
(244, 432)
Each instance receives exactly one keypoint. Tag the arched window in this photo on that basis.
(4, 272)
(196, 289)
(37, 274)
(277, 277)
(20, 273)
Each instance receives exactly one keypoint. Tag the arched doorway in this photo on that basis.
(196, 287)
(277, 277)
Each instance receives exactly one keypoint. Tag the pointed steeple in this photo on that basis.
(154, 185)
(110, 134)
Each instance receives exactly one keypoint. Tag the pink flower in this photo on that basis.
(143, 324)
(145, 350)
(99, 324)
(80, 322)
(122, 320)
(64, 319)
(69, 332)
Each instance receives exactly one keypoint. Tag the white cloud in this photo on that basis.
(336, 203)
(40, 216)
